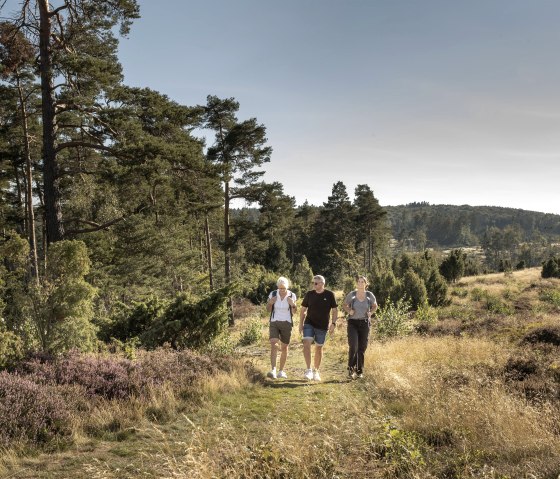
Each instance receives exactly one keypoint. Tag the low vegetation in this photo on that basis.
(462, 391)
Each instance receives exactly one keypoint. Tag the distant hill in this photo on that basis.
(451, 225)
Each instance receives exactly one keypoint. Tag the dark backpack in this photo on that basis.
(274, 294)
(369, 302)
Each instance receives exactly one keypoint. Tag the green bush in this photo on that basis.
(459, 292)
(394, 319)
(190, 324)
(11, 349)
(63, 303)
(260, 288)
(551, 268)
(551, 296)
(252, 333)
(478, 294)
(413, 289)
(436, 287)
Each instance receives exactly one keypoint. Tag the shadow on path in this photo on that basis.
(290, 384)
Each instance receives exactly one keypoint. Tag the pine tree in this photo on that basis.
(239, 149)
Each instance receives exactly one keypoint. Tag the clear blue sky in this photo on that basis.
(433, 100)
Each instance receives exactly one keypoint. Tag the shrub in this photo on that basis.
(459, 292)
(551, 268)
(29, 412)
(63, 303)
(252, 333)
(190, 324)
(551, 296)
(547, 335)
(452, 268)
(413, 289)
(265, 283)
(436, 288)
(11, 349)
(393, 319)
(108, 377)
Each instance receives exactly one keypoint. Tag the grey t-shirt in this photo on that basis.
(360, 307)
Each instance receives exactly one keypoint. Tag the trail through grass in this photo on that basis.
(273, 428)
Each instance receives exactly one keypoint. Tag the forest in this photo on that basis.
(112, 204)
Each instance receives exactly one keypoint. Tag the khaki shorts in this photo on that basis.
(280, 330)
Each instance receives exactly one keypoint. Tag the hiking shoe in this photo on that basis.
(271, 374)
(282, 375)
(351, 374)
(316, 376)
(360, 375)
(308, 374)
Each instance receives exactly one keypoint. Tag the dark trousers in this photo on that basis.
(358, 334)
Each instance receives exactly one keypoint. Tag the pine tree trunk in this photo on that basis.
(29, 188)
(209, 253)
(227, 253)
(53, 210)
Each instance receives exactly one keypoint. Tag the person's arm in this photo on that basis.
(334, 318)
(373, 304)
(292, 304)
(302, 314)
(270, 303)
(347, 305)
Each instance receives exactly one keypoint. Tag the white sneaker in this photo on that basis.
(316, 376)
(308, 374)
(282, 375)
(271, 374)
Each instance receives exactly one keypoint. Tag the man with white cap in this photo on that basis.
(318, 306)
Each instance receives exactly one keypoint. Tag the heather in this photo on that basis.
(46, 399)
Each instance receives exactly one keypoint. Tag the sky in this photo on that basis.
(422, 100)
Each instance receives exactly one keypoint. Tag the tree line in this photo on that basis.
(116, 216)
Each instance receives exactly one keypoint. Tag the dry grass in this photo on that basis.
(450, 394)
(473, 401)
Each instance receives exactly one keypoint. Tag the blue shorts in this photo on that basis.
(312, 333)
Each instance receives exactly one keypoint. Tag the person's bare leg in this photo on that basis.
(273, 352)
(307, 353)
(318, 356)
(283, 355)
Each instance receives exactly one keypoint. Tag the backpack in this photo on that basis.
(369, 302)
(274, 294)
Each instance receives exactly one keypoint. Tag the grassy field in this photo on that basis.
(473, 395)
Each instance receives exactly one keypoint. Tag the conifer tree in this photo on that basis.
(238, 151)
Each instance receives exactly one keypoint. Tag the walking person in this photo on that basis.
(317, 309)
(282, 306)
(360, 304)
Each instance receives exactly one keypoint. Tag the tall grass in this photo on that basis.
(450, 395)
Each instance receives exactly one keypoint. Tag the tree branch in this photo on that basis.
(97, 226)
(84, 144)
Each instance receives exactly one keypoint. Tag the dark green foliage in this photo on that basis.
(261, 284)
(386, 287)
(302, 276)
(452, 268)
(551, 268)
(436, 287)
(413, 289)
(131, 321)
(193, 324)
(11, 348)
(63, 303)
(333, 252)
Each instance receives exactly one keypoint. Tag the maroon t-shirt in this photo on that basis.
(319, 307)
